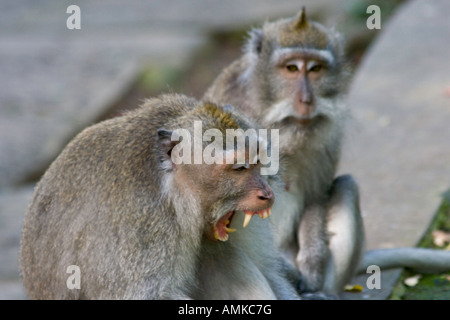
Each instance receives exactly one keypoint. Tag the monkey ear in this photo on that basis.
(165, 145)
(301, 21)
(254, 43)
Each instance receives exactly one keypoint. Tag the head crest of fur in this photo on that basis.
(301, 21)
(224, 119)
(299, 31)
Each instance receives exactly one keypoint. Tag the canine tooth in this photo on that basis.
(247, 218)
(229, 230)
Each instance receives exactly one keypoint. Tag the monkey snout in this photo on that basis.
(257, 200)
(266, 196)
(305, 109)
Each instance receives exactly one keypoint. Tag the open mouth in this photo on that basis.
(222, 227)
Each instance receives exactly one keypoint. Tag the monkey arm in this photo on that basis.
(313, 243)
(346, 232)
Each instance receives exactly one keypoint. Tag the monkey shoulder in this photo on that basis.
(228, 87)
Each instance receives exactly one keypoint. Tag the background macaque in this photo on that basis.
(139, 226)
(292, 76)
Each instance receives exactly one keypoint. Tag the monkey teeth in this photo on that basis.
(222, 229)
(220, 237)
(263, 214)
(223, 235)
(247, 218)
(228, 230)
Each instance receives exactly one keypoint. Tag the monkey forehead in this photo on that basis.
(256, 143)
(233, 156)
(258, 136)
(283, 54)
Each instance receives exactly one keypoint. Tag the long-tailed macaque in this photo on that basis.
(293, 77)
(127, 204)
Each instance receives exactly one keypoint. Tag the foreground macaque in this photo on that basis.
(292, 77)
(139, 224)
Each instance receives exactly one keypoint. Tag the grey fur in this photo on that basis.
(311, 154)
(113, 204)
(318, 220)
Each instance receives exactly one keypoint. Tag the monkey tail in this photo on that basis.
(419, 259)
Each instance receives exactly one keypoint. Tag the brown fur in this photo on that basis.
(140, 227)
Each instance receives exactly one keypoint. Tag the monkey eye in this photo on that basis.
(316, 68)
(240, 167)
(292, 68)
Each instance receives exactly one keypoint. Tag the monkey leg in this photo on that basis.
(346, 234)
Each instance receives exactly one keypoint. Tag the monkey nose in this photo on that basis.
(306, 98)
(305, 109)
(266, 195)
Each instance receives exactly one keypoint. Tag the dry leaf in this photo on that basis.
(412, 281)
(353, 288)
(440, 238)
